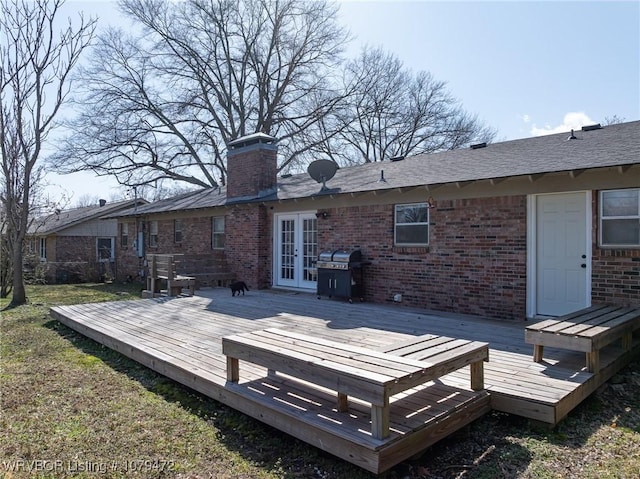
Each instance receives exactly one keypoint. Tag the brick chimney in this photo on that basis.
(251, 166)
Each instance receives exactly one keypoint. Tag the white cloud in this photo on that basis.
(571, 121)
(526, 118)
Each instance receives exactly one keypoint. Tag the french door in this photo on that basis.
(296, 250)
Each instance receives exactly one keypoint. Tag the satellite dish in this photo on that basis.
(322, 171)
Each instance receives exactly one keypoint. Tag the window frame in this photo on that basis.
(427, 224)
(602, 218)
(153, 233)
(219, 234)
(112, 252)
(42, 249)
(124, 235)
(178, 230)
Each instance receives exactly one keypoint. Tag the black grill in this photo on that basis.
(341, 274)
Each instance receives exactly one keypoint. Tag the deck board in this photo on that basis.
(181, 338)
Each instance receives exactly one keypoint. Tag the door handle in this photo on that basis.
(583, 265)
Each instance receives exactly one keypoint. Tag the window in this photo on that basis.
(43, 249)
(124, 235)
(217, 228)
(412, 224)
(32, 246)
(153, 233)
(620, 218)
(105, 249)
(177, 231)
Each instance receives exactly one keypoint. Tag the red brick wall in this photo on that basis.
(75, 260)
(196, 236)
(248, 244)
(615, 277)
(196, 240)
(75, 248)
(251, 170)
(475, 263)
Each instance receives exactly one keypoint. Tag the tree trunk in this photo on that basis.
(19, 296)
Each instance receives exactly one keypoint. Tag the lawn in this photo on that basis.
(72, 408)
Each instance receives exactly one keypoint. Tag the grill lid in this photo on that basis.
(340, 256)
(325, 256)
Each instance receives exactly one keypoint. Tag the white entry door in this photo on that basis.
(563, 253)
(296, 250)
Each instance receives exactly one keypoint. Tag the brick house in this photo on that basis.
(536, 226)
(78, 244)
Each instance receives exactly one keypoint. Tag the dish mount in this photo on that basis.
(322, 171)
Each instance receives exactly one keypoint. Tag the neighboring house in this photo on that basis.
(77, 245)
(537, 226)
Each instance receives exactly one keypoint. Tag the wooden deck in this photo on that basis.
(181, 338)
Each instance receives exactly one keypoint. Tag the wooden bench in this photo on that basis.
(161, 267)
(587, 330)
(372, 376)
(450, 354)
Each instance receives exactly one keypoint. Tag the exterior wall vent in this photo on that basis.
(478, 145)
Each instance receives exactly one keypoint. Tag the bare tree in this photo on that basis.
(6, 269)
(612, 120)
(35, 63)
(162, 105)
(394, 112)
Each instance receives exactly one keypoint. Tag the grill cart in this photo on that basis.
(341, 274)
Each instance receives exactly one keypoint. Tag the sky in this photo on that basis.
(524, 68)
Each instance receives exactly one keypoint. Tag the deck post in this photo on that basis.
(342, 402)
(233, 369)
(153, 273)
(537, 352)
(593, 361)
(477, 375)
(380, 420)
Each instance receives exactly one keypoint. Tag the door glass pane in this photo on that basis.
(309, 247)
(287, 248)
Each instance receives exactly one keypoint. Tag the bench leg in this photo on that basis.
(233, 369)
(380, 421)
(537, 353)
(477, 375)
(627, 341)
(342, 402)
(593, 361)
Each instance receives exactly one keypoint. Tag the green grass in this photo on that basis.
(73, 408)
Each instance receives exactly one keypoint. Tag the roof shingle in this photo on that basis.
(613, 145)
